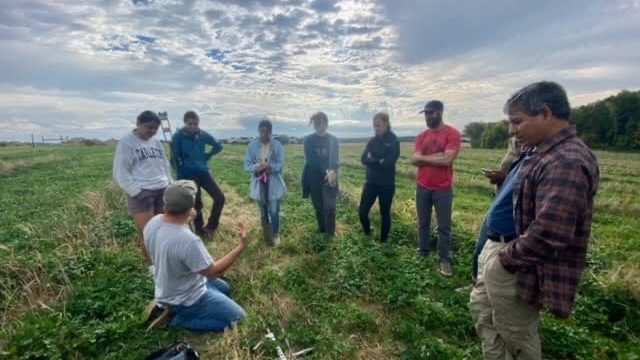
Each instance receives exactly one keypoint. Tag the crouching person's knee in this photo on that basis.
(240, 315)
(236, 318)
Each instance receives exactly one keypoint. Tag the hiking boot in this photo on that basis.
(159, 318)
(445, 269)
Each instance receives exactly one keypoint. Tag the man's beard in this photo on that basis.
(434, 123)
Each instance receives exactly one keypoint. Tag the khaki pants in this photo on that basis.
(507, 327)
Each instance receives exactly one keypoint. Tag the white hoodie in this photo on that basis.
(140, 164)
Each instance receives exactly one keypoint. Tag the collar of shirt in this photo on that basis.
(557, 138)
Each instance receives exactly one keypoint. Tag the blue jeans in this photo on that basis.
(442, 201)
(214, 311)
(270, 213)
(482, 239)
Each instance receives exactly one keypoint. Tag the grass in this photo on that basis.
(74, 286)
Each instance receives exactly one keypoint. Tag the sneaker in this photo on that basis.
(465, 289)
(445, 269)
(276, 240)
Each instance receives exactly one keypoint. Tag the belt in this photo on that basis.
(501, 238)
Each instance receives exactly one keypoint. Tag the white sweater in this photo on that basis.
(140, 164)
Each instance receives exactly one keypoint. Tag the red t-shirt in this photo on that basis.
(431, 142)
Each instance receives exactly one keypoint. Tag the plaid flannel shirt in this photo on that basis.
(553, 208)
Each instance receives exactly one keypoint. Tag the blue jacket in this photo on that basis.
(188, 154)
(252, 159)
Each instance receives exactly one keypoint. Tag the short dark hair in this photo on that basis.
(532, 98)
(319, 117)
(265, 124)
(148, 116)
(190, 115)
(384, 117)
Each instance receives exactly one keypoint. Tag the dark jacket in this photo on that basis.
(381, 164)
(188, 154)
(321, 153)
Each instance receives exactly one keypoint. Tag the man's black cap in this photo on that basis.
(433, 105)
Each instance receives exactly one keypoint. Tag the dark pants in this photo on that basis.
(384, 193)
(442, 201)
(482, 239)
(205, 181)
(323, 198)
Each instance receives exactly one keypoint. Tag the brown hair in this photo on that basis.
(384, 117)
(318, 117)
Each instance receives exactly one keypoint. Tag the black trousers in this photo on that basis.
(205, 181)
(384, 193)
(323, 198)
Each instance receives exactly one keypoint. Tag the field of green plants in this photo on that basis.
(72, 283)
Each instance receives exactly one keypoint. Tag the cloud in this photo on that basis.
(89, 68)
(324, 5)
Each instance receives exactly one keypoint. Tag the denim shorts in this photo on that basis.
(145, 201)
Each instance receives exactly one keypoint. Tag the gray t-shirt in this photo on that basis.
(178, 255)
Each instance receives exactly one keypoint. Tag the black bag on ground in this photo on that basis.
(177, 351)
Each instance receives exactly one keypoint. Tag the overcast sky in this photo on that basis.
(88, 68)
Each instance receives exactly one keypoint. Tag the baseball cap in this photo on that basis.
(179, 196)
(433, 105)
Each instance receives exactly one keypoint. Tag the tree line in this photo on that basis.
(609, 124)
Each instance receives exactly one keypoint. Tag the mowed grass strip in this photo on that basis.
(285, 287)
(350, 297)
(354, 268)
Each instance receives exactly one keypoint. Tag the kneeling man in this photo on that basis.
(187, 280)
